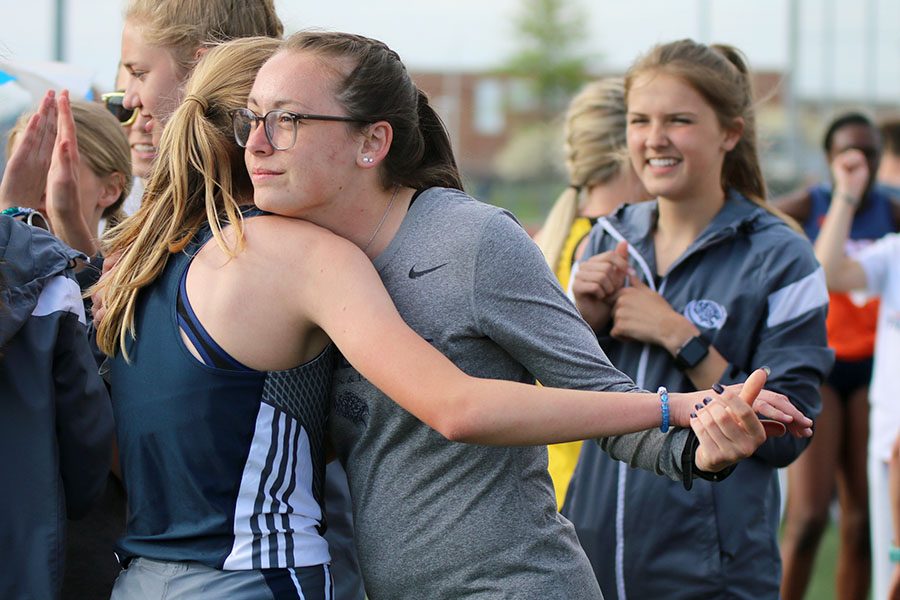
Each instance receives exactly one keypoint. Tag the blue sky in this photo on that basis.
(846, 49)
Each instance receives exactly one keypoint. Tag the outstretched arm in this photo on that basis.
(351, 305)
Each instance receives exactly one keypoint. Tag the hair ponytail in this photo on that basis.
(438, 165)
(379, 88)
(595, 152)
(199, 178)
(553, 233)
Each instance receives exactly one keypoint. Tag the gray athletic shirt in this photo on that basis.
(437, 519)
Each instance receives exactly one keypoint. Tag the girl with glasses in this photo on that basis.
(220, 321)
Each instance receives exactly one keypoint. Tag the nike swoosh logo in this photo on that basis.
(413, 274)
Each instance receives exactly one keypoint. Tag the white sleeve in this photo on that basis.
(877, 260)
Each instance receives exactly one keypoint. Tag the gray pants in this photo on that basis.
(147, 579)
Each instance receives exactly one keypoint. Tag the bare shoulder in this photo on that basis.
(309, 253)
(293, 239)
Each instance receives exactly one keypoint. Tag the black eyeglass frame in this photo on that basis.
(106, 98)
(296, 119)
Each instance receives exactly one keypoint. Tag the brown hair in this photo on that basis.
(890, 137)
(378, 88)
(720, 74)
(199, 179)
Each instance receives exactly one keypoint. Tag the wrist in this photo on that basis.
(851, 200)
(846, 198)
(678, 333)
(681, 405)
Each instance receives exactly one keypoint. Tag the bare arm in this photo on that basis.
(348, 301)
(841, 272)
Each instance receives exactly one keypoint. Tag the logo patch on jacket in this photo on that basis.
(706, 314)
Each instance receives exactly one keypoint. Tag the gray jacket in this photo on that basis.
(754, 289)
(56, 425)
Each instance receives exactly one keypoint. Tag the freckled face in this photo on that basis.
(675, 141)
(307, 179)
(142, 149)
(155, 81)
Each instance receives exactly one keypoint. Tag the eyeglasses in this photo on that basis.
(113, 102)
(280, 125)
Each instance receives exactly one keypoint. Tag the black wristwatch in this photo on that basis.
(692, 352)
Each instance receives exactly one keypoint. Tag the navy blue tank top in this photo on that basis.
(222, 466)
(874, 221)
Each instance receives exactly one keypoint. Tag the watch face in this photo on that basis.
(692, 353)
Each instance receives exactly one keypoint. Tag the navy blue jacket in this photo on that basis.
(55, 416)
(754, 289)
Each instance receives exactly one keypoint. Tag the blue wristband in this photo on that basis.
(894, 554)
(664, 407)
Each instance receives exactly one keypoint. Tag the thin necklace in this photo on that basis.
(383, 219)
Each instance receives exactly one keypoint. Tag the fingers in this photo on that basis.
(48, 114)
(753, 385)
(728, 431)
(601, 275)
(772, 428)
(65, 120)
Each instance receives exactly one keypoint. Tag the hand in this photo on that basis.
(773, 407)
(601, 276)
(851, 173)
(98, 310)
(63, 197)
(728, 428)
(63, 201)
(25, 178)
(596, 281)
(642, 315)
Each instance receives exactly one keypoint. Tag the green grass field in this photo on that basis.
(821, 585)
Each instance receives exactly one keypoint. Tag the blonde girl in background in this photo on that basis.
(600, 179)
(89, 175)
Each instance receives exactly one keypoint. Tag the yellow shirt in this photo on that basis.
(562, 458)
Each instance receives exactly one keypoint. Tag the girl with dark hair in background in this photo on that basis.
(836, 458)
(695, 289)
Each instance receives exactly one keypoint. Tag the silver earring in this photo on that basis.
(368, 160)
